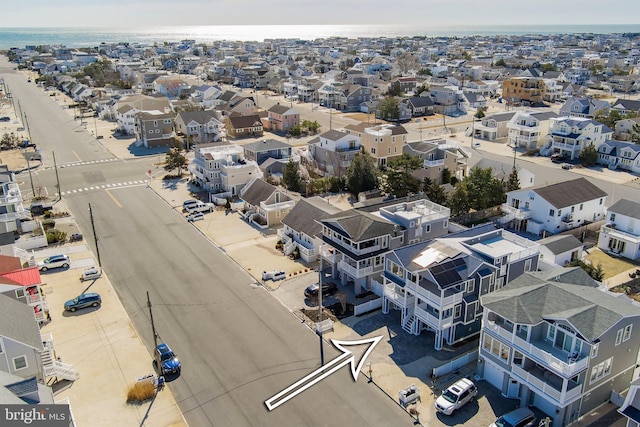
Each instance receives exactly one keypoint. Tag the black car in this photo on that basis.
(328, 288)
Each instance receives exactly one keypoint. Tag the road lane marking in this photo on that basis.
(113, 198)
(76, 154)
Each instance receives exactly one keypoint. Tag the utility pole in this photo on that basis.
(55, 166)
(319, 329)
(95, 124)
(26, 122)
(156, 356)
(95, 236)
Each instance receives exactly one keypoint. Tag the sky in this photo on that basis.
(152, 13)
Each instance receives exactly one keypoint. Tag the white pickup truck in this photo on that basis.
(200, 207)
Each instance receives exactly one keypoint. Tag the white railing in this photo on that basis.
(433, 163)
(354, 271)
(621, 235)
(277, 206)
(398, 298)
(499, 330)
(548, 360)
(517, 213)
(531, 380)
(436, 299)
(432, 320)
(66, 401)
(328, 254)
(62, 370)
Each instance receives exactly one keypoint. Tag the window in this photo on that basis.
(551, 332)
(457, 311)
(601, 370)
(582, 205)
(518, 358)
(471, 286)
(497, 348)
(627, 333)
(594, 349)
(527, 265)
(373, 150)
(20, 293)
(0, 347)
(19, 362)
(619, 336)
(612, 217)
(552, 212)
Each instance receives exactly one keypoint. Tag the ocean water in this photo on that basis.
(91, 37)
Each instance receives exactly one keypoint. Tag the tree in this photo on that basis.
(634, 133)
(407, 61)
(434, 192)
(589, 155)
(175, 160)
(458, 201)
(513, 182)
(483, 188)
(596, 273)
(395, 89)
(310, 126)
(399, 180)
(290, 177)
(388, 109)
(479, 113)
(608, 116)
(362, 174)
(446, 176)
(501, 63)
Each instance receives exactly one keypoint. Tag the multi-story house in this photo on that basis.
(333, 151)
(350, 97)
(446, 99)
(243, 126)
(302, 227)
(419, 105)
(555, 341)
(583, 107)
(222, 170)
(11, 209)
(23, 284)
(356, 240)
(264, 149)
(154, 129)
(569, 135)
(127, 108)
(626, 106)
(527, 129)
(577, 76)
(198, 127)
(329, 94)
(620, 155)
(493, 127)
(626, 129)
(438, 155)
(436, 284)
(554, 208)
(206, 95)
(20, 341)
(281, 118)
(382, 142)
(620, 234)
(523, 89)
(264, 204)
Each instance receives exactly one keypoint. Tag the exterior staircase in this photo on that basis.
(290, 247)
(54, 369)
(407, 325)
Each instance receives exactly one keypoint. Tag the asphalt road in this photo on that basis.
(238, 345)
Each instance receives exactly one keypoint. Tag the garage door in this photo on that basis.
(544, 405)
(493, 374)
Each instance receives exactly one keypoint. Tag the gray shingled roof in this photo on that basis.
(306, 214)
(258, 191)
(358, 225)
(18, 322)
(626, 207)
(333, 135)
(560, 243)
(589, 310)
(570, 193)
(266, 144)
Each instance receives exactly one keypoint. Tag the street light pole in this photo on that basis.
(320, 309)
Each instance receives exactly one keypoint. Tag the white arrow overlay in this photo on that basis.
(324, 371)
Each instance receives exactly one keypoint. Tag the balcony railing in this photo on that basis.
(329, 254)
(559, 396)
(620, 235)
(400, 299)
(432, 320)
(434, 298)
(355, 271)
(516, 212)
(433, 163)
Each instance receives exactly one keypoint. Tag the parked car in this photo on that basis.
(456, 396)
(198, 216)
(200, 207)
(557, 158)
(567, 166)
(274, 275)
(328, 288)
(188, 203)
(521, 417)
(54, 261)
(5, 119)
(75, 237)
(90, 299)
(168, 360)
(91, 273)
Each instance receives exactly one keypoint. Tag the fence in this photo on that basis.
(455, 364)
(366, 307)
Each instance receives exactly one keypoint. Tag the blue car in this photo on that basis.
(169, 363)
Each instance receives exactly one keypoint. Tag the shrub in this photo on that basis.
(140, 392)
(55, 236)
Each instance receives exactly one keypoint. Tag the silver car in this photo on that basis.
(55, 261)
